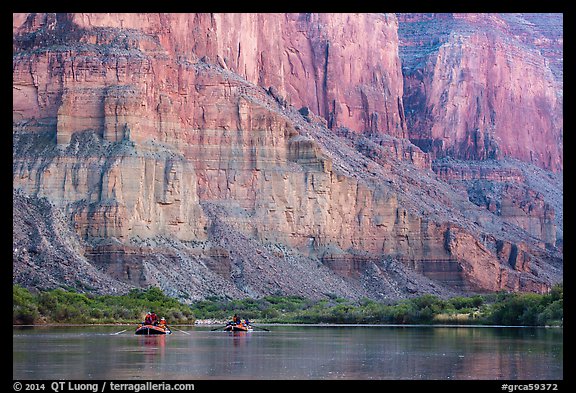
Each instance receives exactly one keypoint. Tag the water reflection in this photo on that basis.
(153, 346)
(240, 338)
(292, 353)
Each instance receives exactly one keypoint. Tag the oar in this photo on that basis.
(180, 331)
(219, 327)
(122, 331)
(258, 327)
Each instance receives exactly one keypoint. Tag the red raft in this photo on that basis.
(148, 330)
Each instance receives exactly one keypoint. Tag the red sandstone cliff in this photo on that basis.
(480, 86)
(174, 145)
(311, 60)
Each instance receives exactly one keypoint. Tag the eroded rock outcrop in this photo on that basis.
(174, 145)
(47, 253)
(503, 189)
(483, 86)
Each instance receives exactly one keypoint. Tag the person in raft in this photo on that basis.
(162, 323)
(154, 318)
(151, 318)
(148, 319)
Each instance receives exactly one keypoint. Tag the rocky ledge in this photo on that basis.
(175, 150)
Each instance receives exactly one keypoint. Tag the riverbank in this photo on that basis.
(507, 309)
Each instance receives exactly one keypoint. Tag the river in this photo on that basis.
(289, 352)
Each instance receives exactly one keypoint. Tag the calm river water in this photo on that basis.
(290, 352)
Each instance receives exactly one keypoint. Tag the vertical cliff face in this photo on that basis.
(311, 60)
(180, 80)
(254, 153)
(484, 86)
(479, 89)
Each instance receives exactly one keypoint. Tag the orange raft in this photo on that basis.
(238, 328)
(148, 330)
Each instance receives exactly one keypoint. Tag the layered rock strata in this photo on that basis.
(175, 147)
(310, 60)
(484, 86)
(503, 188)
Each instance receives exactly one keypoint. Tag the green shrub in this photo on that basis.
(24, 309)
(466, 303)
(552, 314)
(71, 307)
(501, 308)
(528, 308)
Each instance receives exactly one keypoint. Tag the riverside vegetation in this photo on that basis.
(66, 306)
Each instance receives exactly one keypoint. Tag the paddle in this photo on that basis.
(122, 331)
(219, 327)
(258, 327)
(180, 331)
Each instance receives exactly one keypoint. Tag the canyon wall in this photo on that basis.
(249, 154)
(310, 60)
(484, 86)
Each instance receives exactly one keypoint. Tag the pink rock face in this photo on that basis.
(186, 127)
(476, 91)
(344, 67)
